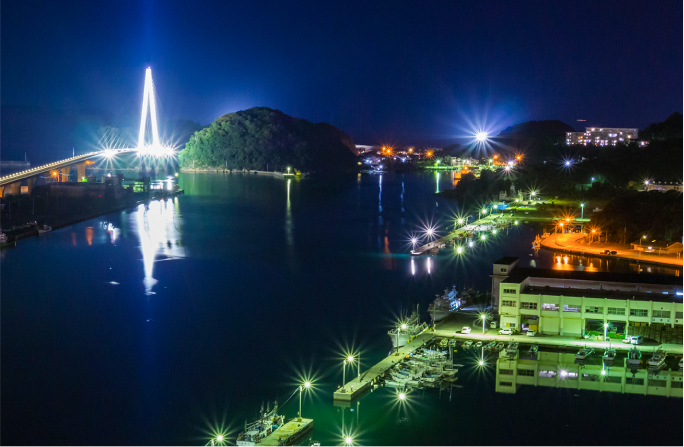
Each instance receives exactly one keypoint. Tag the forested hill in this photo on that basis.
(257, 137)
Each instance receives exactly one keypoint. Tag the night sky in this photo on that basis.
(381, 71)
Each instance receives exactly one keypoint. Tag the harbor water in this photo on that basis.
(168, 323)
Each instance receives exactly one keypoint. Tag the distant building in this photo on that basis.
(362, 149)
(663, 186)
(603, 136)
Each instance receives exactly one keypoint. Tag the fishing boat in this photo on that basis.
(400, 335)
(44, 229)
(499, 346)
(490, 345)
(268, 421)
(467, 344)
(609, 356)
(512, 349)
(533, 349)
(444, 343)
(633, 358)
(444, 305)
(657, 361)
(478, 345)
(582, 354)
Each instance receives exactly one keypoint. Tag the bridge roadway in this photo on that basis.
(13, 181)
(489, 220)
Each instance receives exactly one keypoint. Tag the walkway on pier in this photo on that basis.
(357, 386)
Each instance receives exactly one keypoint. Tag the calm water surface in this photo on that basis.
(161, 324)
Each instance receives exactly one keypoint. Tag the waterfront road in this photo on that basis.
(451, 328)
(575, 243)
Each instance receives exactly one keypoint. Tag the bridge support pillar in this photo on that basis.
(31, 183)
(65, 174)
(15, 188)
(81, 171)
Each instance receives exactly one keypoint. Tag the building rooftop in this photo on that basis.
(506, 260)
(593, 293)
(518, 275)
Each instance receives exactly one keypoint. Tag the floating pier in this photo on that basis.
(358, 386)
(436, 244)
(288, 433)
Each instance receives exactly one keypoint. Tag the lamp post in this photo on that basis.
(642, 237)
(306, 385)
(484, 318)
(605, 331)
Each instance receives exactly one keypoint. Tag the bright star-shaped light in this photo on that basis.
(481, 136)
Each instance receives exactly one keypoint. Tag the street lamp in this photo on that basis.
(348, 440)
(306, 385)
(402, 396)
(484, 318)
(605, 331)
(642, 237)
(582, 205)
(349, 360)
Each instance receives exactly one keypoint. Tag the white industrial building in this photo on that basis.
(603, 136)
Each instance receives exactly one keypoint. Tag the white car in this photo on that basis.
(627, 339)
(507, 331)
(531, 333)
(465, 330)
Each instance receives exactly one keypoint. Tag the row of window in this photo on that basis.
(594, 378)
(594, 309)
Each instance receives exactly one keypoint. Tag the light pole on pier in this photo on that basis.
(484, 318)
(306, 385)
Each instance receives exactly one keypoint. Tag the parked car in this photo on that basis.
(605, 252)
(531, 333)
(465, 330)
(637, 339)
(627, 339)
(613, 252)
(506, 331)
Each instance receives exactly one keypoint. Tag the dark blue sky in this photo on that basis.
(381, 71)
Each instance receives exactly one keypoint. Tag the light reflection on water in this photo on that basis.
(157, 229)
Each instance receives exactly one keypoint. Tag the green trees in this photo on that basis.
(257, 137)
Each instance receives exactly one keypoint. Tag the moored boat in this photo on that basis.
(401, 334)
(268, 422)
(657, 361)
(444, 305)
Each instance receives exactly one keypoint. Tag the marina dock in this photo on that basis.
(358, 386)
(460, 232)
(288, 433)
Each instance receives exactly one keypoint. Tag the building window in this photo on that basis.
(505, 372)
(634, 381)
(513, 291)
(593, 310)
(589, 377)
(661, 314)
(676, 385)
(657, 383)
(505, 383)
(567, 308)
(679, 315)
(526, 372)
(504, 269)
(549, 306)
(524, 305)
(638, 312)
(616, 311)
(547, 373)
(508, 303)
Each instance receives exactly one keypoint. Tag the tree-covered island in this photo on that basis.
(265, 139)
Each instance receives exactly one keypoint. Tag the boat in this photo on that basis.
(633, 359)
(512, 349)
(444, 343)
(490, 345)
(467, 344)
(609, 357)
(478, 345)
(657, 361)
(499, 346)
(444, 305)
(582, 354)
(44, 229)
(537, 242)
(268, 422)
(400, 335)
(533, 349)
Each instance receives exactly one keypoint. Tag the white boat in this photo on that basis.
(609, 357)
(44, 229)
(657, 361)
(401, 334)
(490, 345)
(499, 346)
(582, 354)
(444, 305)
(478, 344)
(633, 358)
(268, 421)
(467, 344)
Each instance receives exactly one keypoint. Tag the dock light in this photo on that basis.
(460, 221)
(219, 438)
(306, 386)
(483, 237)
(471, 244)
(484, 318)
(563, 373)
(515, 223)
(603, 372)
(481, 363)
(484, 210)
(402, 396)
(493, 231)
(507, 168)
(350, 359)
(176, 174)
(533, 193)
(348, 440)
(414, 240)
(403, 326)
(481, 136)
(459, 250)
(429, 231)
(108, 153)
